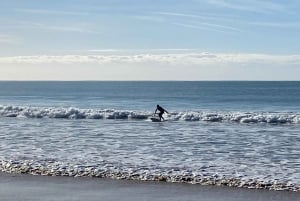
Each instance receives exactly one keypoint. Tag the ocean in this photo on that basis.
(239, 133)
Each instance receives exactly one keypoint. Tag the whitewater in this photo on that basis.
(76, 113)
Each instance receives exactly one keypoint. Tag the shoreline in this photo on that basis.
(54, 169)
(57, 188)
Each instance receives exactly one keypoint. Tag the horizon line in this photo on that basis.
(149, 80)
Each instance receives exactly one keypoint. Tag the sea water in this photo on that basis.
(243, 134)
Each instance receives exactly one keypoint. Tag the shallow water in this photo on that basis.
(244, 151)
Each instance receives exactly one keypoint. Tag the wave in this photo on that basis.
(219, 116)
(107, 170)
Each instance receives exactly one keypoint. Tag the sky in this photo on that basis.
(149, 40)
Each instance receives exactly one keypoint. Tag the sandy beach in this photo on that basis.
(28, 187)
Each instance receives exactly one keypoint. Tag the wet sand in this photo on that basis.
(15, 187)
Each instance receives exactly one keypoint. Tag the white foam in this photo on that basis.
(218, 116)
(56, 168)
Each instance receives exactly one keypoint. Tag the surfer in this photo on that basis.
(161, 112)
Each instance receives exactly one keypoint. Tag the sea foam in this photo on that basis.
(55, 168)
(218, 116)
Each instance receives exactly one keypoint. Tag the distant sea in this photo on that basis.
(238, 133)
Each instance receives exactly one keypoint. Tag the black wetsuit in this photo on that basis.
(161, 112)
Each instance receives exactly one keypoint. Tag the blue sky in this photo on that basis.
(142, 39)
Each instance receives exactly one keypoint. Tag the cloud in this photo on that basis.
(216, 21)
(192, 26)
(49, 12)
(184, 20)
(78, 28)
(132, 51)
(277, 24)
(209, 27)
(149, 18)
(201, 58)
(180, 15)
(165, 65)
(257, 6)
(206, 16)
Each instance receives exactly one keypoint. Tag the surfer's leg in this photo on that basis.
(160, 116)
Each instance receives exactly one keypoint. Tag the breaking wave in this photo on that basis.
(219, 116)
(55, 168)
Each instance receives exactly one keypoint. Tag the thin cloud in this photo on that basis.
(230, 28)
(203, 23)
(180, 15)
(84, 28)
(201, 27)
(277, 24)
(258, 6)
(71, 29)
(211, 26)
(149, 18)
(225, 18)
(218, 22)
(214, 17)
(49, 12)
(203, 58)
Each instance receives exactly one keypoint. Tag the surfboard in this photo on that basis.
(155, 119)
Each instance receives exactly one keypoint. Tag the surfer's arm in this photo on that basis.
(155, 111)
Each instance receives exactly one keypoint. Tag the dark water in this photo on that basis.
(259, 96)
